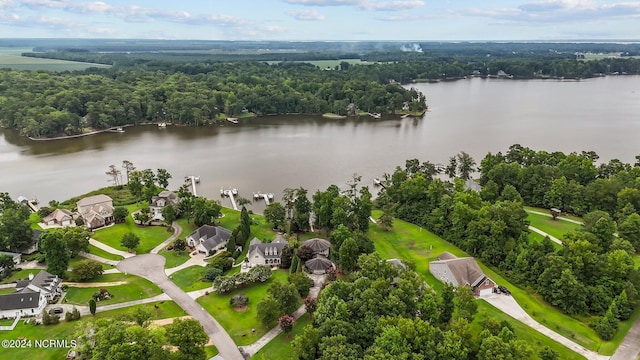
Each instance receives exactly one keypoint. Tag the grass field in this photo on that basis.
(280, 347)
(240, 324)
(136, 288)
(105, 254)
(409, 242)
(173, 259)
(556, 228)
(20, 275)
(150, 236)
(77, 259)
(7, 291)
(120, 194)
(11, 58)
(190, 279)
(546, 211)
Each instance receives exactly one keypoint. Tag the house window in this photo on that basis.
(486, 282)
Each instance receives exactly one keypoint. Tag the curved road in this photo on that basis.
(151, 267)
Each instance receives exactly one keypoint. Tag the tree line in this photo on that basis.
(593, 273)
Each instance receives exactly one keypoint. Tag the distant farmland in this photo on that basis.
(10, 58)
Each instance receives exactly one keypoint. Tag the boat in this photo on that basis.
(233, 120)
(256, 195)
(196, 179)
(162, 125)
(270, 196)
(376, 181)
(376, 115)
(234, 191)
(119, 129)
(221, 191)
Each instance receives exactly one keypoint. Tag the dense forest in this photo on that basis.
(593, 273)
(41, 103)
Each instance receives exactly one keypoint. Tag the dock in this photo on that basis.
(231, 193)
(194, 180)
(378, 182)
(266, 196)
(32, 204)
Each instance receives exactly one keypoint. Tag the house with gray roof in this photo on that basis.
(266, 253)
(461, 272)
(35, 237)
(318, 265)
(319, 246)
(59, 217)
(96, 211)
(208, 238)
(158, 203)
(31, 296)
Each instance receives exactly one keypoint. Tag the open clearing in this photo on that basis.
(11, 58)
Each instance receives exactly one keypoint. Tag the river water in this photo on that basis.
(272, 153)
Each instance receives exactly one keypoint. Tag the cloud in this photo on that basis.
(560, 11)
(396, 5)
(71, 6)
(306, 15)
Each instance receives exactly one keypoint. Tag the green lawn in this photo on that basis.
(535, 339)
(534, 237)
(280, 347)
(150, 236)
(556, 228)
(407, 241)
(546, 211)
(136, 288)
(158, 310)
(20, 275)
(173, 259)
(77, 259)
(105, 254)
(190, 279)
(211, 351)
(240, 324)
(7, 291)
(120, 194)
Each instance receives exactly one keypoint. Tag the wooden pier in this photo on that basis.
(231, 193)
(194, 180)
(266, 196)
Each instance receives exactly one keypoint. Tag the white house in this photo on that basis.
(31, 296)
(159, 202)
(266, 253)
(208, 238)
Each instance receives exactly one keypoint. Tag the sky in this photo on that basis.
(343, 20)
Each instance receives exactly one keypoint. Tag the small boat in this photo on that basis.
(162, 125)
(221, 191)
(376, 115)
(234, 191)
(270, 196)
(232, 120)
(196, 179)
(376, 181)
(256, 195)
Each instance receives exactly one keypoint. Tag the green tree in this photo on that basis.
(286, 323)
(301, 210)
(169, 214)
(92, 306)
(386, 218)
(349, 253)
(6, 264)
(275, 215)
(205, 212)
(55, 251)
(86, 270)
(465, 304)
(466, 165)
(305, 345)
(15, 230)
(120, 214)
(162, 177)
(190, 338)
(141, 316)
(301, 282)
(130, 240)
(77, 239)
(268, 311)
(286, 295)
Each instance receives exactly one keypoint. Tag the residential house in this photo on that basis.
(207, 239)
(461, 272)
(266, 253)
(59, 217)
(34, 242)
(320, 263)
(31, 296)
(96, 211)
(159, 202)
(319, 246)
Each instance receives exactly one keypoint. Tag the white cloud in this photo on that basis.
(396, 5)
(306, 15)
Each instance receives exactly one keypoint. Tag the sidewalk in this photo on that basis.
(194, 260)
(554, 239)
(109, 249)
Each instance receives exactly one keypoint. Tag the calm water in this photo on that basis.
(272, 153)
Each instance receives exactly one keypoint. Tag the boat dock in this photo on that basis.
(231, 193)
(378, 182)
(32, 204)
(266, 196)
(194, 180)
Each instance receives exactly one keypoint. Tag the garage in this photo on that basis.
(486, 292)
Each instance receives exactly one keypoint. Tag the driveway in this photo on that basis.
(177, 230)
(629, 348)
(509, 306)
(151, 267)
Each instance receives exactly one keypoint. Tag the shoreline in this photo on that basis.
(111, 129)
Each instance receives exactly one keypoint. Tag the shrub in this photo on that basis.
(212, 273)
(286, 322)
(239, 300)
(49, 318)
(302, 283)
(179, 245)
(260, 273)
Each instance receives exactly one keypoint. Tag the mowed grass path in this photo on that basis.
(240, 324)
(408, 242)
(136, 288)
(556, 228)
(150, 236)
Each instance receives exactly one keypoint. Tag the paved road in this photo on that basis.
(151, 267)
(98, 258)
(629, 348)
(509, 306)
(177, 229)
(554, 239)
